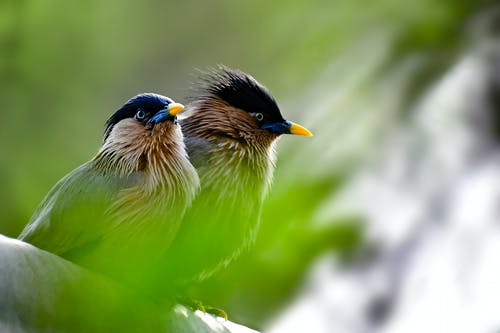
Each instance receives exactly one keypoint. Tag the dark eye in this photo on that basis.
(259, 116)
(140, 115)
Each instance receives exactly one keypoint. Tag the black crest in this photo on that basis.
(239, 90)
(147, 102)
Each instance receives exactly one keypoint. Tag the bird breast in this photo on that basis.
(165, 179)
(145, 216)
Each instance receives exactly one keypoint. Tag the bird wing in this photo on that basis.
(199, 150)
(74, 213)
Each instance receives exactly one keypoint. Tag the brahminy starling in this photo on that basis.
(117, 213)
(230, 130)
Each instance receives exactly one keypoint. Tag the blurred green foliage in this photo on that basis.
(345, 69)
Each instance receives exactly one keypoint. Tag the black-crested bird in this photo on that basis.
(118, 212)
(231, 126)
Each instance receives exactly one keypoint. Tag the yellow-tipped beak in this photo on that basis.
(175, 108)
(299, 130)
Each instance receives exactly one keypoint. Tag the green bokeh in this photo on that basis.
(345, 69)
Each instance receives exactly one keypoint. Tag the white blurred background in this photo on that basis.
(430, 201)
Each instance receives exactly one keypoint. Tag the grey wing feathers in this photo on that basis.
(198, 150)
(74, 211)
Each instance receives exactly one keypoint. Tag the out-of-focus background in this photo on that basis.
(386, 220)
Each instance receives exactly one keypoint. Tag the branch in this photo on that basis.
(41, 292)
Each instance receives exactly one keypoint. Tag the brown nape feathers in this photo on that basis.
(158, 153)
(118, 212)
(215, 119)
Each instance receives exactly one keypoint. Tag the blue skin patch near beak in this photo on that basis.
(280, 127)
(159, 117)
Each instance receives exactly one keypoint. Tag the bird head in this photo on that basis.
(144, 111)
(143, 132)
(231, 104)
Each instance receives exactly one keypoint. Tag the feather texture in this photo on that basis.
(117, 213)
(235, 160)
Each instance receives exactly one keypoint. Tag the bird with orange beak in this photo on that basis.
(118, 212)
(230, 131)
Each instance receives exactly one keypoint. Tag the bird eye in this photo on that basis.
(259, 116)
(140, 115)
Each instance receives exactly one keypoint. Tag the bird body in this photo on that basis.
(236, 176)
(230, 133)
(117, 213)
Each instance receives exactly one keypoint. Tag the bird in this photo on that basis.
(231, 126)
(118, 212)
